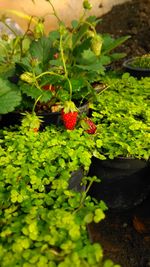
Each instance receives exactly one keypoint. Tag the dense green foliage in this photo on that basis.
(122, 113)
(70, 59)
(43, 222)
(43, 219)
(142, 62)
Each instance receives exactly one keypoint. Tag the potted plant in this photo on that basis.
(43, 221)
(138, 66)
(122, 163)
(13, 46)
(63, 65)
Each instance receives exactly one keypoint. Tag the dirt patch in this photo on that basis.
(131, 18)
(125, 235)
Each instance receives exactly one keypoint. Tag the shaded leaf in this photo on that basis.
(110, 43)
(35, 93)
(41, 50)
(10, 97)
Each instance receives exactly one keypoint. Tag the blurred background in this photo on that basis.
(66, 9)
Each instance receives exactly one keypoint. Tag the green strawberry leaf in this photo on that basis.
(116, 56)
(54, 35)
(76, 38)
(93, 67)
(41, 50)
(74, 24)
(56, 62)
(10, 97)
(110, 43)
(77, 84)
(35, 93)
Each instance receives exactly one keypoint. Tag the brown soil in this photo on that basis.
(131, 18)
(125, 235)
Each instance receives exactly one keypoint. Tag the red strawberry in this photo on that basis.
(35, 130)
(48, 87)
(89, 126)
(69, 115)
(69, 119)
(56, 55)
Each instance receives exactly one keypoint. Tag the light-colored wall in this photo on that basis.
(66, 9)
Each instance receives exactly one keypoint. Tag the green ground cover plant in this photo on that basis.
(142, 62)
(43, 222)
(122, 115)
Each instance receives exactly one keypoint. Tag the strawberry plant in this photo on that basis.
(67, 59)
(43, 222)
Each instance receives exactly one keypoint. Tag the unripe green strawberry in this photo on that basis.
(96, 44)
(34, 62)
(87, 5)
(62, 29)
(90, 33)
(31, 122)
(27, 77)
(39, 29)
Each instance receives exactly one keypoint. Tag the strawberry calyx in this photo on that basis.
(69, 106)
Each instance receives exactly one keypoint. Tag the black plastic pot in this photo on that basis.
(10, 119)
(14, 118)
(124, 182)
(135, 71)
(75, 182)
(50, 118)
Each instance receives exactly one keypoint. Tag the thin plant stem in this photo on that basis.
(23, 37)
(33, 109)
(62, 56)
(103, 90)
(61, 49)
(83, 196)
(54, 11)
(48, 72)
(10, 28)
(64, 65)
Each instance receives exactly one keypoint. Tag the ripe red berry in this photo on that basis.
(91, 126)
(35, 130)
(56, 55)
(49, 87)
(69, 119)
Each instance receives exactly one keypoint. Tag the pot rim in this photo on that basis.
(127, 62)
